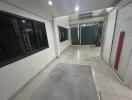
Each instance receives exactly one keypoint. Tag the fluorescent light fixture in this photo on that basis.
(76, 9)
(50, 2)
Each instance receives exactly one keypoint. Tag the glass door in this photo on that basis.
(75, 35)
(86, 34)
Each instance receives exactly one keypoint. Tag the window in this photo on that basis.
(63, 34)
(28, 34)
(41, 34)
(9, 46)
(20, 37)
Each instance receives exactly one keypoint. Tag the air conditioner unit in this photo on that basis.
(85, 16)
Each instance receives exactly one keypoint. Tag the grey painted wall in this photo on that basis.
(124, 23)
(109, 35)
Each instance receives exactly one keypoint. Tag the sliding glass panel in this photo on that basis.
(90, 34)
(86, 33)
(41, 34)
(75, 36)
(85, 36)
(9, 46)
(28, 34)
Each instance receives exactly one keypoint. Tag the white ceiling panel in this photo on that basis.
(62, 7)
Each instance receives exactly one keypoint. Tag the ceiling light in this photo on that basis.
(23, 21)
(76, 9)
(50, 2)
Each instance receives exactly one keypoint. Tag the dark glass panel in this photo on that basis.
(28, 34)
(9, 46)
(41, 34)
(63, 34)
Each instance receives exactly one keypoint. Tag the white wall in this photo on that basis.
(128, 78)
(64, 45)
(64, 22)
(109, 35)
(15, 75)
(124, 23)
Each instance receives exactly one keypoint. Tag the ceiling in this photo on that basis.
(62, 7)
(95, 13)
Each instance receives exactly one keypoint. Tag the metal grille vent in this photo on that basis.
(85, 16)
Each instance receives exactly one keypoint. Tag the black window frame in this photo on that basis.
(24, 55)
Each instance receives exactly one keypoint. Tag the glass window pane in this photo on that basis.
(63, 34)
(9, 46)
(28, 34)
(41, 34)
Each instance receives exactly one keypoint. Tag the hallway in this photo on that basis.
(65, 50)
(109, 87)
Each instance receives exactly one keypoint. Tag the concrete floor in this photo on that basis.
(68, 82)
(109, 87)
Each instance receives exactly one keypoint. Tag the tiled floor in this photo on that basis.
(107, 84)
